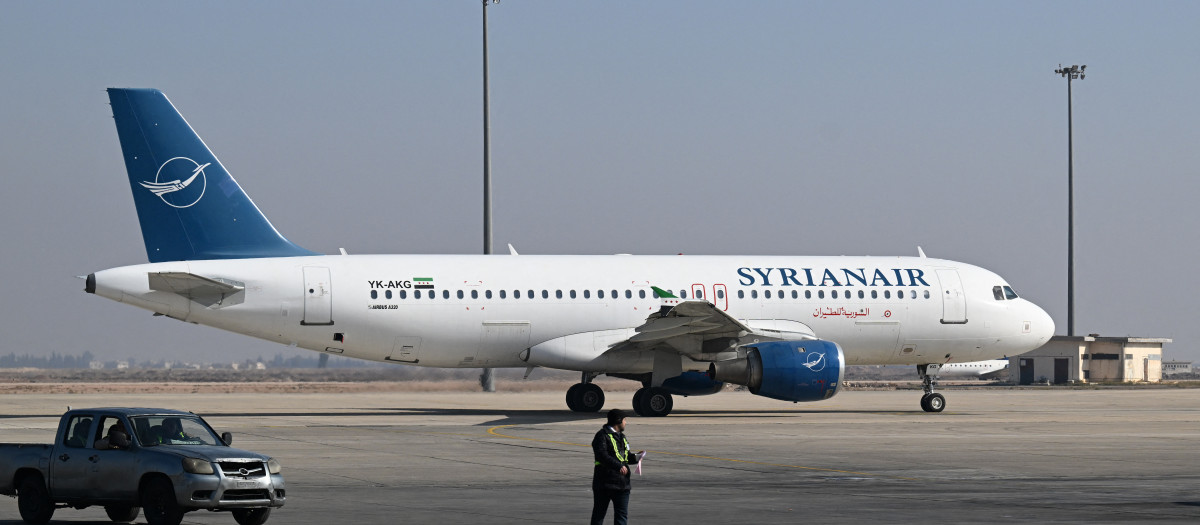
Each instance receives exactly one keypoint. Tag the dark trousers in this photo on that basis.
(620, 503)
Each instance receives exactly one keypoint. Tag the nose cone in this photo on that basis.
(1042, 326)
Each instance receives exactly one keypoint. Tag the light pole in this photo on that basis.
(487, 379)
(1070, 73)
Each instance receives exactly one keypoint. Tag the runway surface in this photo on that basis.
(994, 456)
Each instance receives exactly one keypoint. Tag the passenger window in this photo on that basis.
(912, 294)
(516, 294)
(795, 294)
(1009, 293)
(754, 294)
(862, 294)
(599, 294)
(572, 294)
(403, 294)
(374, 294)
(502, 294)
(926, 294)
(720, 294)
(77, 431)
(683, 294)
(833, 294)
(558, 294)
(808, 294)
(545, 294)
(887, 294)
(388, 294)
(531, 296)
(416, 294)
(820, 294)
(766, 294)
(699, 294)
(628, 294)
(445, 294)
(474, 294)
(587, 294)
(614, 294)
(998, 293)
(875, 294)
(641, 294)
(460, 294)
(741, 294)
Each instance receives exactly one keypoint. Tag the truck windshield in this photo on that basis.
(173, 430)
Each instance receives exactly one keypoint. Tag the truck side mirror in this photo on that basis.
(120, 439)
(227, 438)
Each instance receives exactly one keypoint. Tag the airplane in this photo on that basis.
(976, 369)
(783, 326)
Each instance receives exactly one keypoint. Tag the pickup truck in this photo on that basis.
(162, 462)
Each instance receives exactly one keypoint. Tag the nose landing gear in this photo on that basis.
(931, 401)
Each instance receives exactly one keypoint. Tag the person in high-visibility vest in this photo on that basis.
(610, 478)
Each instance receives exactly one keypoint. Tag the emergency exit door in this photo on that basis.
(318, 297)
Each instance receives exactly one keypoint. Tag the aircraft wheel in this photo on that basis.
(655, 402)
(637, 401)
(573, 397)
(590, 398)
(933, 402)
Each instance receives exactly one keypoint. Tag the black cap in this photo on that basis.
(615, 416)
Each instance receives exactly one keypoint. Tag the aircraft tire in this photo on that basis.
(933, 402)
(590, 398)
(573, 397)
(655, 402)
(122, 513)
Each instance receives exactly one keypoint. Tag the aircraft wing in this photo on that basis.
(203, 290)
(683, 325)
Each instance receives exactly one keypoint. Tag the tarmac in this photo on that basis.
(994, 456)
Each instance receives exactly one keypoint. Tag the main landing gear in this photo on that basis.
(652, 402)
(585, 396)
(931, 401)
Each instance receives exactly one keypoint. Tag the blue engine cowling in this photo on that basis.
(692, 384)
(809, 370)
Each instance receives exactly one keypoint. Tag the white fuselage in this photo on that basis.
(407, 308)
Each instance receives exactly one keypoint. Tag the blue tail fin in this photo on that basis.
(189, 207)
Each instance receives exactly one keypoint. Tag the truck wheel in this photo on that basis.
(122, 513)
(34, 501)
(158, 503)
(252, 516)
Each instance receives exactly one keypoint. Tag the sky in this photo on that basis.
(698, 127)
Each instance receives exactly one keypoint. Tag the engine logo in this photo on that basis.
(815, 362)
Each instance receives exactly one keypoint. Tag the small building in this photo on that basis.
(1092, 358)
(1171, 368)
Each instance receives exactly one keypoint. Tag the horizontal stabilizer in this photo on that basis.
(203, 290)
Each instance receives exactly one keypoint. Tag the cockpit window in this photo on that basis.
(998, 292)
(1009, 293)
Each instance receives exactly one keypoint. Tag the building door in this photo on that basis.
(318, 297)
(1060, 369)
(954, 302)
(1027, 371)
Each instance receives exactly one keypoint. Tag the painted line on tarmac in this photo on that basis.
(493, 431)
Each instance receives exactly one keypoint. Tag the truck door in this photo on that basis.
(112, 473)
(69, 466)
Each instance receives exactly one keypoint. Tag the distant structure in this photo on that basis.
(1171, 368)
(1067, 359)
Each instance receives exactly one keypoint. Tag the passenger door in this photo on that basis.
(69, 467)
(112, 473)
(318, 296)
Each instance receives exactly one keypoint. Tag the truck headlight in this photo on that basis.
(197, 466)
(273, 466)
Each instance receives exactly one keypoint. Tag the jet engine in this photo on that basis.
(809, 370)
